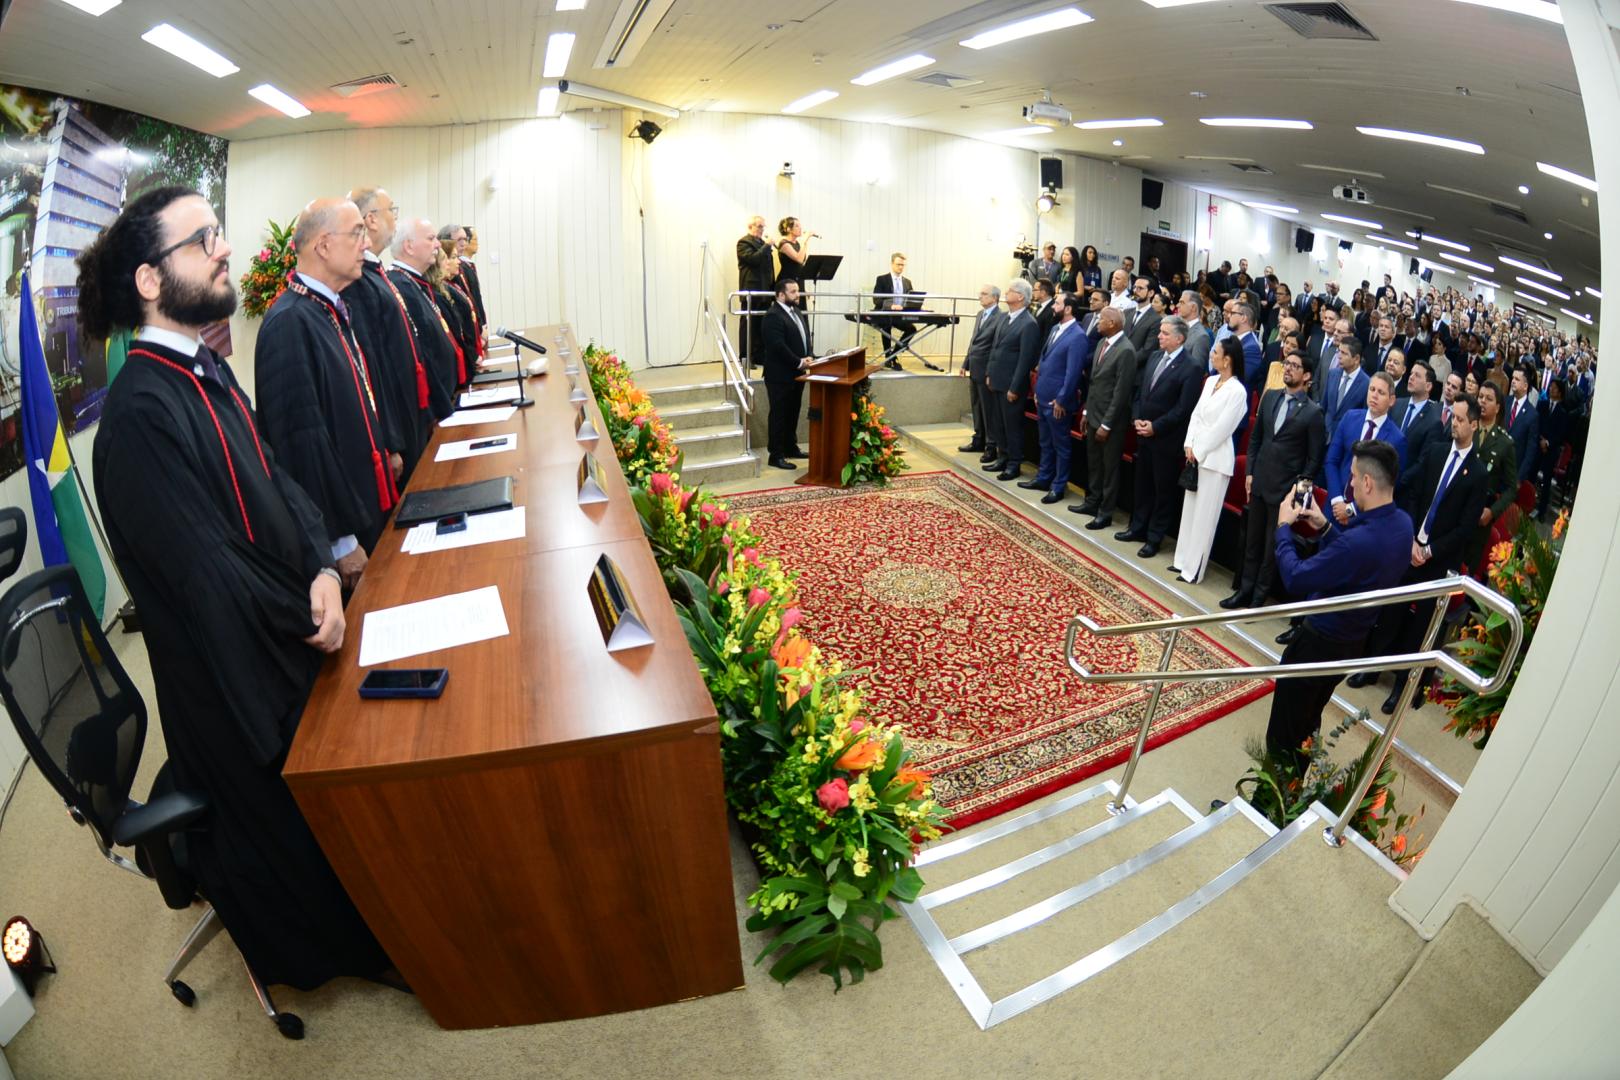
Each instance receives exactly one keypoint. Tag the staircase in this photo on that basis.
(710, 431)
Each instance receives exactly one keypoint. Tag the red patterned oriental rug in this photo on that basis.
(955, 608)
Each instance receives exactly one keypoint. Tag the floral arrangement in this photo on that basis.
(833, 807)
(874, 451)
(643, 442)
(267, 274)
(1283, 788)
(1522, 570)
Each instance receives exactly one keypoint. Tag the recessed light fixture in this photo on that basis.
(1571, 177)
(1536, 9)
(93, 7)
(1419, 137)
(1392, 241)
(1119, 142)
(809, 101)
(1061, 19)
(1587, 319)
(570, 5)
(1442, 241)
(1365, 224)
(1484, 281)
(890, 70)
(1465, 262)
(1548, 289)
(546, 104)
(1255, 122)
(1524, 189)
(558, 48)
(1546, 236)
(1274, 208)
(189, 49)
(1104, 125)
(1531, 267)
(1017, 132)
(278, 100)
(1534, 299)
(1592, 290)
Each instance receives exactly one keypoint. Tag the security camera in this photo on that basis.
(787, 168)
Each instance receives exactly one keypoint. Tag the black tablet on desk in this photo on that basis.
(435, 503)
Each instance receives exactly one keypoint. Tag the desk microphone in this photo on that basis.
(518, 339)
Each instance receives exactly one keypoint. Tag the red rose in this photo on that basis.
(720, 518)
(833, 795)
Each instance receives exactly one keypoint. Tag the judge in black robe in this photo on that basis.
(469, 274)
(458, 313)
(436, 344)
(316, 403)
(225, 616)
(383, 328)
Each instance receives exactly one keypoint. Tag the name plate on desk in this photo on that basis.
(591, 487)
(576, 393)
(584, 430)
(617, 615)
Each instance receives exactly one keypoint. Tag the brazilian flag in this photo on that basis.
(59, 515)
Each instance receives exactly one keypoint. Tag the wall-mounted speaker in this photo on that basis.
(1304, 240)
(1413, 269)
(1152, 193)
(1051, 173)
(1345, 245)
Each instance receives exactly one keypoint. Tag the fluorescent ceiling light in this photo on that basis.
(1524, 189)
(1484, 281)
(1356, 173)
(278, 100)
(1272, 207)
(1104, 125)
(1061, 19)
(1564, 174)
(1548, 289)
(1354, 221)
(94, 7)
(1531, 297)
(1255, 122)
(1587, 319)
(570, 5)
(1216, 157)
(890, 70)
(546, 105)
(1466, 262)
(1175, 3)
(810, 101)
(1017, 132)
(1419, 137)
(1414, 234)
(1592, 290)
(1536, 9)
(189, 49)
(558, 48)
(1511, 261)
(1392, 241)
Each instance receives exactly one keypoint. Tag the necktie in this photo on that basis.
(1160, 370)
(1344, 386)
(1412, 410)
(1514, 415)
(210, 367)
(1440, 493)
(1053, 336)
(1445, 417)
(1286, 413)
(1369, 432)
(1096, 364)
(342, 308)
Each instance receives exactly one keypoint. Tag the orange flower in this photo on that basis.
(912, 778)
(792, 653)
(860, 756)
(1397, 846)
(1377, 806)
(1502, 552)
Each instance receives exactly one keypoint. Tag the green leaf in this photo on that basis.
(837, 903)
(845, 890)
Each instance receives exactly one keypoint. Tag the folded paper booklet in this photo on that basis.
(436, 503)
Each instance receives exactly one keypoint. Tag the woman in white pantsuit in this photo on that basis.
(1221, 408)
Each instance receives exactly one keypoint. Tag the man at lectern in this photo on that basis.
(787, 352)
(889, 293)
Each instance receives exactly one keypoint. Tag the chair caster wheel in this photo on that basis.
(289, 1025)
(184, 994)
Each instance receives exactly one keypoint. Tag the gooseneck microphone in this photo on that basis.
(518, 339)
(518, 343)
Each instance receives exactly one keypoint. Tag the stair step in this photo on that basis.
(718, 442)
(699, 393)
(719, 470)
(706, 414)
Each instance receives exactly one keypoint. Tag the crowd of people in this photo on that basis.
(239, 524)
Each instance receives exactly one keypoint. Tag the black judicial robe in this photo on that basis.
(323, 427)
(224, 618)
(384, 332)
(433, 340)
(458, 313)
(469, 274)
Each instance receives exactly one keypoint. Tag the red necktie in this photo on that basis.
(1369, 434)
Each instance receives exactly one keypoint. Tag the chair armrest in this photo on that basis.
(163, 815)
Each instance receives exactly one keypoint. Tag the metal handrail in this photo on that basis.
(738, 300)
(736, 373)
(1415, 663)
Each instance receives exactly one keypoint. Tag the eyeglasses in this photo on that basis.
(208, 236)
(356, 233)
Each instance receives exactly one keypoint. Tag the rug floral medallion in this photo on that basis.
(954, 608)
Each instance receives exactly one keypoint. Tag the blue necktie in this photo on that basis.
(1410, 413)
(1440, 493)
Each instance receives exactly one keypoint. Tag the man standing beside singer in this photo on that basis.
(787, 353)
(754, 270)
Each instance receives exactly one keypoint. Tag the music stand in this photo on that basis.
(817, 268)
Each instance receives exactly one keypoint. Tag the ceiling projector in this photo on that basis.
(1351, 192)
(1047, 114)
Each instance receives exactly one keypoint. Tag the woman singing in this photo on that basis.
(1221, 408)
(792, 251)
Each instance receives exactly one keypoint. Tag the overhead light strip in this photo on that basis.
(1255, 122)
(1570, 177)
(189, 49)
(1414, 234)
(546, 103)
(1538, 286)
(1392, 241)
(1587, 319)
(1536, 9)
(890, 70)
(94, 7)
(558, 48)
(1592, 290)
(1481, 267)
(1061, 19)
(278, 100)
(1272, 208)
(1419, 137)
(1484, 281)
(1522, 265)
(1343, 219)
(1104, 125)
(809, 101)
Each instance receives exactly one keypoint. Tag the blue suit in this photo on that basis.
(1345, 437)
(1334, 406)
(1056, 380)
(1526, 431)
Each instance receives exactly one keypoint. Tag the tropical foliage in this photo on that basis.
(267, 274)
(874, 451)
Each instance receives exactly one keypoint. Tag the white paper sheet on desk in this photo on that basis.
(821, 378)
(451, 451)
(494, 395)
(487, 528)
(478, 416)
(430, 625)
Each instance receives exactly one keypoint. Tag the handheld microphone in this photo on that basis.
(518, 339)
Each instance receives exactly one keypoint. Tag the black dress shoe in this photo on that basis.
(893, 365)
(1099, 522)
(996, 465)
(971, 448)
(795, 453)
(1360, 679)
(1287, 636)
(783, 463)
(1235, 601)
(1051, 497)
(989, 455)
(1147, 550)
(1030, 485)
(1394, 699)
(1130, 534)
(1009, 473)
(1088, 509)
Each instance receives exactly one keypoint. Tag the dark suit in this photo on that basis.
(985, 328)
(1321, 357)
(754, 272)
(786, 341)
(883, 299)
(1525, 428)
(1166, 399)
(1142, 328)
(1012, 358)
(1045, 317)
(1557, 423)
(1276, 460)
(1420, 431)
(1108, 404)
(1375, 354)
(1199, 342)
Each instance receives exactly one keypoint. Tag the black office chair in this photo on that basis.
(84, 725)
(13, 539)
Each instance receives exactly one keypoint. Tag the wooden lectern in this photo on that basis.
(832, 382)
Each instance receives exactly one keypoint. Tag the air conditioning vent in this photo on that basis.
(368, 84)
(1508, 212)
(1322, 22)
(947, 80)
(1250, 167)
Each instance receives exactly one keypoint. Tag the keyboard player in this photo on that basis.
(889, 293)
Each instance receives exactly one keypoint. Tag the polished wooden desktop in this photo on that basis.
(548, 839)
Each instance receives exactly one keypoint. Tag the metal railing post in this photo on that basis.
(1334, 834)
(1117, 806)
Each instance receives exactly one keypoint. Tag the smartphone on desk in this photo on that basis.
(453, 523)
(404, 682)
